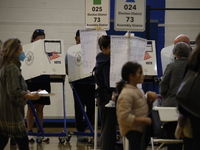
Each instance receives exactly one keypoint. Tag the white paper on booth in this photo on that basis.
(119, 56)
(89, 48)
(52, 46)
(137, 49)
(125, 49)
(150, 63)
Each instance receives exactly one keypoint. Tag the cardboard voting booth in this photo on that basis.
(166, 56)
(43, 57)
(150, 59)
(75, 68)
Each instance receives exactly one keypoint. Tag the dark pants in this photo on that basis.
(108, 128)
(195, 123)
(135, 140)
(187, 143)
(22, 142)
(169, 129)
(86, 93)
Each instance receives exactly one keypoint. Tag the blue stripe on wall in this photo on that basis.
(160, 16)
(157, 33)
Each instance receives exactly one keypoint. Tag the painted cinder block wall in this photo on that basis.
(61, 18)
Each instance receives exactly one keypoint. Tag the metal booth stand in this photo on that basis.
(63, 136)
(91, 133)
(76, 75)
(46, 58)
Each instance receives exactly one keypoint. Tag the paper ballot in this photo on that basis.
(43, 93)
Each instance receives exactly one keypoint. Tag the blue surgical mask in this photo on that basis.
(22, 56)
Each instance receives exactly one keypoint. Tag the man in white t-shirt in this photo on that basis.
(166, 52)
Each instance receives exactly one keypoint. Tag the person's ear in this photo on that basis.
(102, 48)
(131, 76)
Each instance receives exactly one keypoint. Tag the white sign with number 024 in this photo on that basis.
(130, 15)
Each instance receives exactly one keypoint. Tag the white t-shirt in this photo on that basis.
(166, 56)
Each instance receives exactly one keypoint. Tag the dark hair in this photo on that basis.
(8, 52)
(194, 59)
(36, 33)
(1, 43)
(127, 69)
(182, 49)
(104, 41)
(77, 33)
(197, 40)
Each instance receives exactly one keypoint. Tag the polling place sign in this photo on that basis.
(97, 14)
(130, 15)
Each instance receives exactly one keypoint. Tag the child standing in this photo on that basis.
(132, 105)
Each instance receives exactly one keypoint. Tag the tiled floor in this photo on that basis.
(55, 145)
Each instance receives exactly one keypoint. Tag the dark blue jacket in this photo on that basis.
(102, 72)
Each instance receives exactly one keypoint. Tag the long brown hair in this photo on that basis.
(8, 52)
(194, 60)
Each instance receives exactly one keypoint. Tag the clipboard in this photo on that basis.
(44, 93)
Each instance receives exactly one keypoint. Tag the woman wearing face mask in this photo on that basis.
(13, 95)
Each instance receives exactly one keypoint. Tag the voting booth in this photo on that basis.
(45, 58)
(81, 61)
(77, 75)
(76, 57)
(75, 65)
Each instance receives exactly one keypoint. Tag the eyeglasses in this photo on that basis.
(39, 30)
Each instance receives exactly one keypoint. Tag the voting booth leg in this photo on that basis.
(36, 117)
(84, 114)
(63, 136)
(64, 108)
(95, 125)
(40, 136)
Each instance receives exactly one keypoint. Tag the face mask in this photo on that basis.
(22, 56)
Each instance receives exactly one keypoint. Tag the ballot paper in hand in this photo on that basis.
(43, 93)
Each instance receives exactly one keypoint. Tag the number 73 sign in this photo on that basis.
(130, 15)
(97, 14)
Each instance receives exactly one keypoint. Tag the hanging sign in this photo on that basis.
(130, 15)
(97, 14)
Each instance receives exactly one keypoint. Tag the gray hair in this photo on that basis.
(181, 49)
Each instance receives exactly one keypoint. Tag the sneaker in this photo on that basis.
(110, 104)
(45, 140)
(13, 142)
(31, 140)
(81, 138)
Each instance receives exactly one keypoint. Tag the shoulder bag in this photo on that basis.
(154, 130)
(188, 94)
